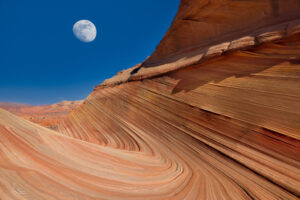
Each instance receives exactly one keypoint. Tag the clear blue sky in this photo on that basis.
(41, 61)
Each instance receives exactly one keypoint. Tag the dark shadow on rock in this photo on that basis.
(275, 7)
(215, 70)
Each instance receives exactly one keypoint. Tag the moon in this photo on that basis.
(85, 30)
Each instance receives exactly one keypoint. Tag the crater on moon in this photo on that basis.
(85, 30)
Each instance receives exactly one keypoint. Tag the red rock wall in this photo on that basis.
(231, 123)
(202, 23)
(226, 127)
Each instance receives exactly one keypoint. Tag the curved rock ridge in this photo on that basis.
(155, 147)
(202, 23)
(203, 29)
(227, 127)
(243, 106)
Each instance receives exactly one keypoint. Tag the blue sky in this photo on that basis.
(42, 62)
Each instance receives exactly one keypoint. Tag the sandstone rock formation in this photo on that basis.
(214, 113)
(46, 115)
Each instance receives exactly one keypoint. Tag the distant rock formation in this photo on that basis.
(213, 113)
(45, 115)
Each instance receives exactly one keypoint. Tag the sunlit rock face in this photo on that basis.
(203, 29)
(223, 127)
(227, 128)
(203, 23)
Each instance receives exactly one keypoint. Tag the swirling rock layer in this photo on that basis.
(227, 127)
(231, 125)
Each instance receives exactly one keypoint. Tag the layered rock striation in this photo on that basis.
(241, 108)
(214, 113)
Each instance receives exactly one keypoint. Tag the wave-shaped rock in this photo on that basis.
(241, 108)
(220, 122)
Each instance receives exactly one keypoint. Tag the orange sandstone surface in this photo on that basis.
(45, 115)
(214, 113)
